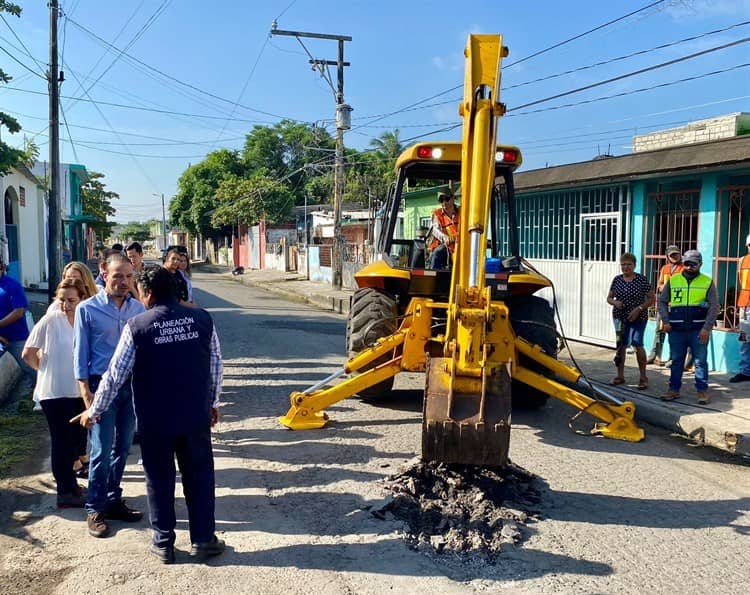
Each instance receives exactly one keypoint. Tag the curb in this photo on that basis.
(337, 304)
(700, 423)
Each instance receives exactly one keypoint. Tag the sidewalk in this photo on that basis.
(723, 424)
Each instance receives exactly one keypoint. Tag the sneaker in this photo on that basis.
(202, 551)
(72, 500)
(739, 378)
(164, 554)
(98, 527)
(122, 512)
(703, 398)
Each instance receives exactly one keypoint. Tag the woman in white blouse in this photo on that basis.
(49, 349)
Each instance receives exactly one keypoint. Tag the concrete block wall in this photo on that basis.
(696, 132)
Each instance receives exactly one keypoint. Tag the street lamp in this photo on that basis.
(163, 220)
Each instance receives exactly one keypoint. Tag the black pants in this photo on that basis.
(196, 462)
(65, 439)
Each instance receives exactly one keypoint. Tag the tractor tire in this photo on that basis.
(373, 314)
(532, 318)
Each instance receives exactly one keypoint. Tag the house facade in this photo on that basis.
(24, 215)
(576, 220)
(78, 241)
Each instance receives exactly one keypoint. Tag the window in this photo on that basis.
(671, 219)
(733, 226)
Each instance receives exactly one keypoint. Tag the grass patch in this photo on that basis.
(21, 437)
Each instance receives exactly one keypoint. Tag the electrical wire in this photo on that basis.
(635, 73)
(23, 45)
(70, 138)
(31, 70)
(176, 80)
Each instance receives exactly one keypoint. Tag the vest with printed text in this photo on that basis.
(171, 375)
(687, 302)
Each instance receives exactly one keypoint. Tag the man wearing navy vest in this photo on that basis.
(175, 412)
(688, 306)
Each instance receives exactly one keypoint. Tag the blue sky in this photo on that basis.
(401, 53)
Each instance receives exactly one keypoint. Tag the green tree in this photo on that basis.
(136, 231)
(9, 156)
(195, 201)
(97, 202)
(248, 200)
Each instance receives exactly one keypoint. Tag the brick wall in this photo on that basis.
(695, 132)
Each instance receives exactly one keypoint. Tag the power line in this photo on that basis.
(70, 138)
(174, 79)
(538, 53)
(625, 57)
(635, 72)
(247, 82)
(149, 22)
(136, 107)
(580, 35)
(624, 93)
(23, 45)
(31, 70)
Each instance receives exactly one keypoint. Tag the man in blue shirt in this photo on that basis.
(13, 334)
(98, 324)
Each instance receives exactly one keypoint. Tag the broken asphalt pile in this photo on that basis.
(462, 509)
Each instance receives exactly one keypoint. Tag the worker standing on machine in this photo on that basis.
(444, 231)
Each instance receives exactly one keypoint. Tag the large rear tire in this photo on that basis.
(532, 318)
(373, 314)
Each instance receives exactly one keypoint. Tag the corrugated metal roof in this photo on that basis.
(671, 161)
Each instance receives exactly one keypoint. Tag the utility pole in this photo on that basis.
(54, 248)
(163, 220)
(343, 122)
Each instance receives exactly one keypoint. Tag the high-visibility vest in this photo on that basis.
(687, 302)
(448, 225)
(743, 299)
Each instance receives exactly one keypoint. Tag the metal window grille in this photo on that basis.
(325, 255)
(732, 227)
(671, 219)
(549, 222)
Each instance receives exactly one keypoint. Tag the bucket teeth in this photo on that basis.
(456, 428)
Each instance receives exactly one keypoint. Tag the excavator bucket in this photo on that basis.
(465, 420)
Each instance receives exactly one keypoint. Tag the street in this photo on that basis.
(658, 516)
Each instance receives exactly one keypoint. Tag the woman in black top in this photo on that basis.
(630, 296)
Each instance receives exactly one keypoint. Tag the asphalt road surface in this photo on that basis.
(655, 517)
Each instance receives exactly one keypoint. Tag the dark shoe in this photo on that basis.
(83, 471)
(739, 378)
(164, 554)
(122, 512)
(202, 551)
(71, 500)
(98, 527)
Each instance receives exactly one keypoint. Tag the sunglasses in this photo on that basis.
(690, 263)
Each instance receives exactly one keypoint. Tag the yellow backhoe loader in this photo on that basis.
(475, 329)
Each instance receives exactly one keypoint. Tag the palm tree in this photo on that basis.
(388, 144)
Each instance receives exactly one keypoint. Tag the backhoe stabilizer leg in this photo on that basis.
(617, 421)
(307, 410)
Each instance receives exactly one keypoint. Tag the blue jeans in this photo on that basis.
(745, 347)
(110, 445)
(679, 341)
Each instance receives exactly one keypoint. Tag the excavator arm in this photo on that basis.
(469, 368)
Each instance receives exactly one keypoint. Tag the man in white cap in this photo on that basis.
(688, 307)
(743, 303)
